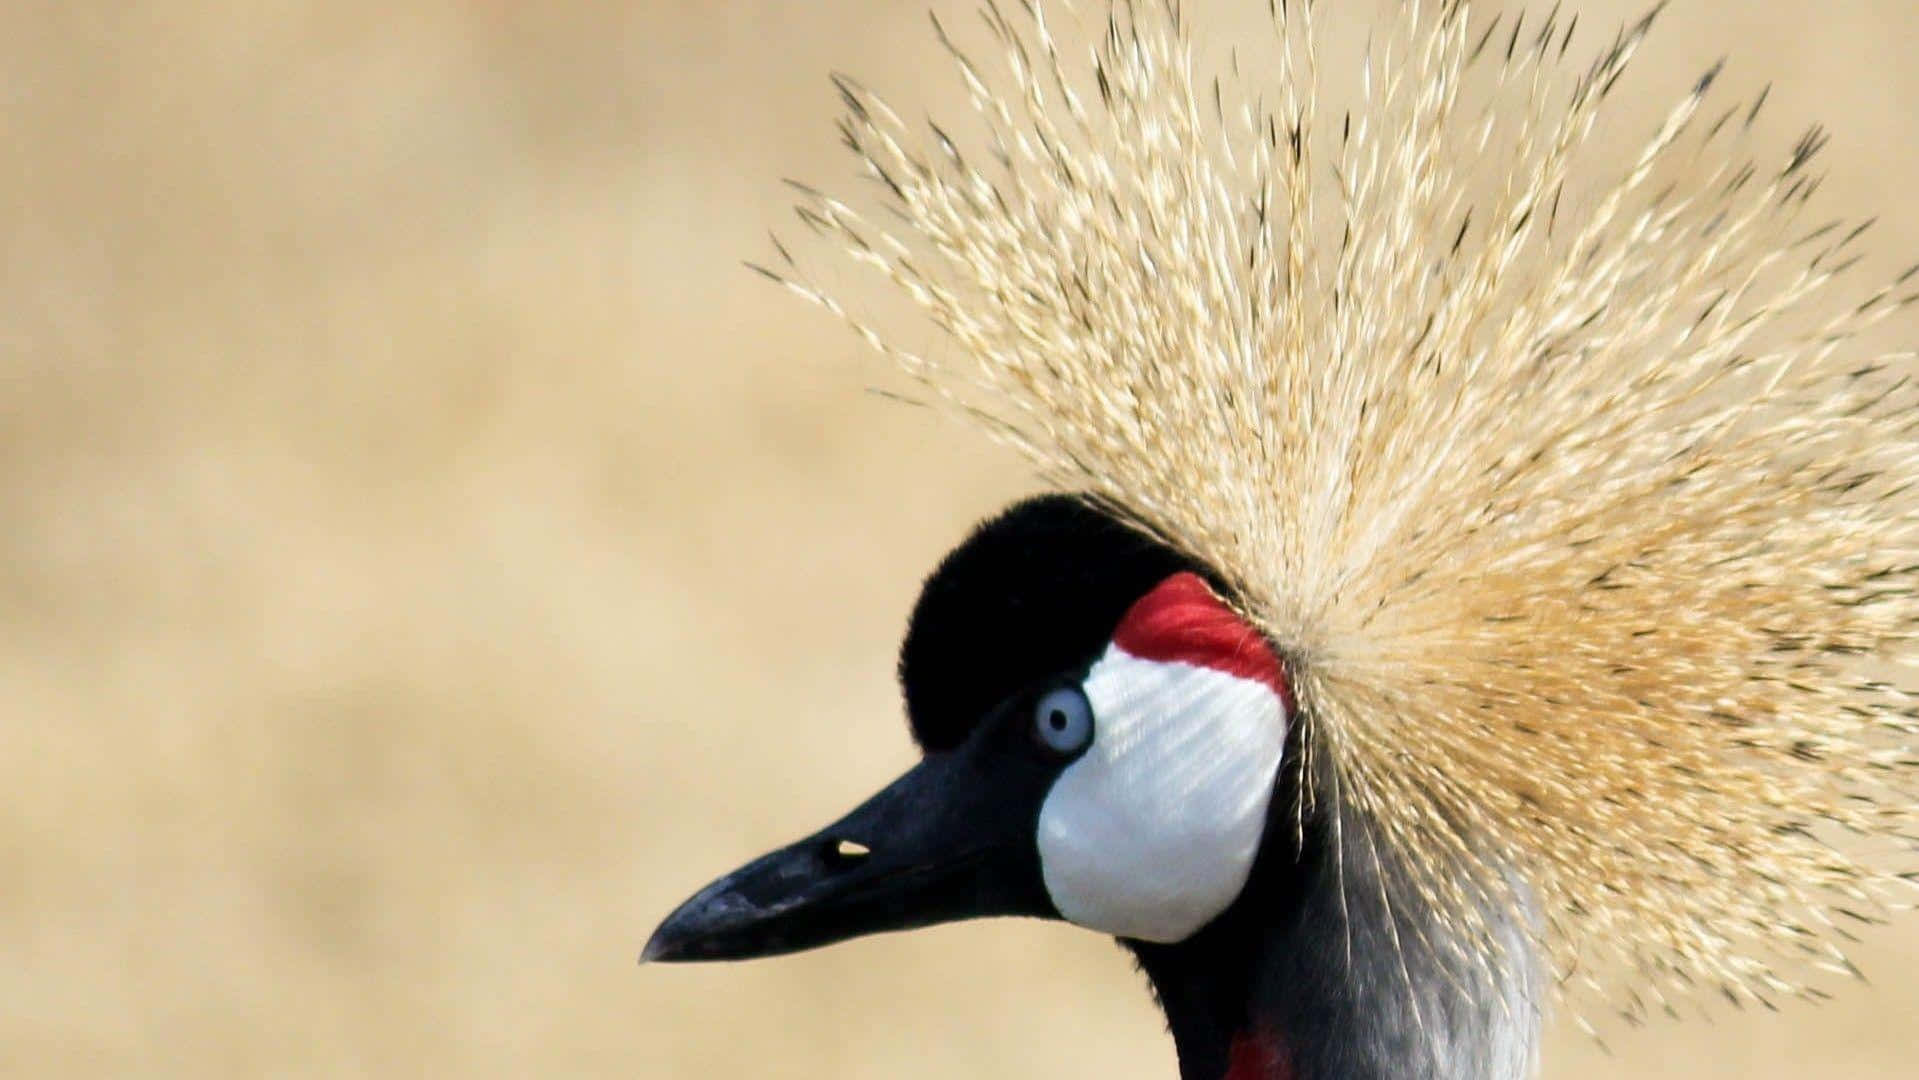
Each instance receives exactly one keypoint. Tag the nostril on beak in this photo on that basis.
(844, 854)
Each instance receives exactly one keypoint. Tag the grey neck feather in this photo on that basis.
(1331, 957)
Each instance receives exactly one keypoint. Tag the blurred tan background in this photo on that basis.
(428, 554)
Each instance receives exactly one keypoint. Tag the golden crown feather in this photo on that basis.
(1577, 500)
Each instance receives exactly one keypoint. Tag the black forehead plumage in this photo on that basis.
(1032, 593)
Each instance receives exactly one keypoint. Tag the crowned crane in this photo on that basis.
(1476, 577)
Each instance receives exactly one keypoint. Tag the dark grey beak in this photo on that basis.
(951, 839)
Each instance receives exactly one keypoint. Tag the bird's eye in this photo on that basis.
(1063, 720)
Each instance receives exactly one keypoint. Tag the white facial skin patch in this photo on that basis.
(1152, 832)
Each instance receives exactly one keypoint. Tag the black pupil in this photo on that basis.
(1057, 718)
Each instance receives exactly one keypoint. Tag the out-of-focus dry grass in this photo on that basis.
(428, 554)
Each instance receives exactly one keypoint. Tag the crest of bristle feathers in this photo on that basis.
(1566, 481)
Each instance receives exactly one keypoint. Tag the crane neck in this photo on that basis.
(1327, 968)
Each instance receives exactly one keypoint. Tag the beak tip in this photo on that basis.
(660, 947)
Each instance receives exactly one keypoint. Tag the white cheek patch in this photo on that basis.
(1152, 832)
